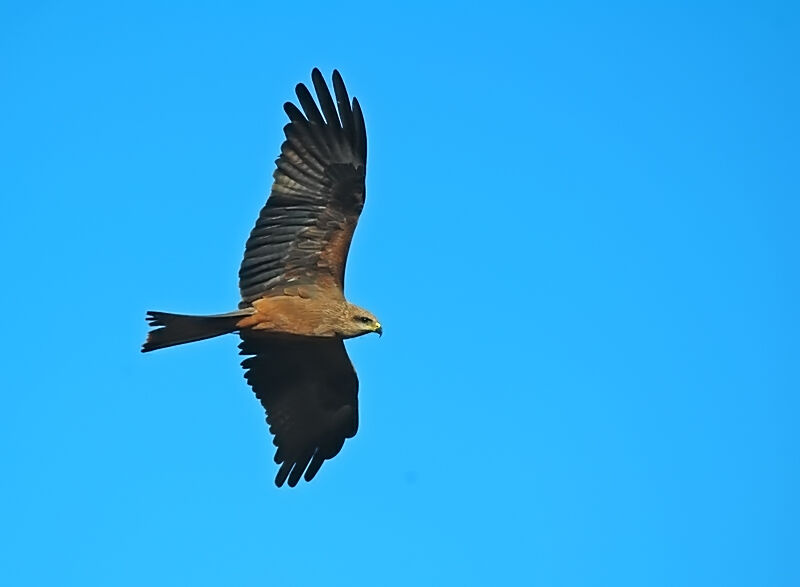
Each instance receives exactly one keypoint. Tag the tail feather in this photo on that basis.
(174, 329)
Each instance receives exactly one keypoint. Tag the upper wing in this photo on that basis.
(303, 233)
(310, 392)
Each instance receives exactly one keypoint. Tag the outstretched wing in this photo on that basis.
(303, 233)
(310, 392)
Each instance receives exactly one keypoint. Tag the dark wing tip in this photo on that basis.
(332, 118)
(299, 468)
(309, 105)
(292, 469)
(360, 131)
(343, 103)
(293, 112)
(338, 84)
(325, 99)
(314, 466)
(283, 473)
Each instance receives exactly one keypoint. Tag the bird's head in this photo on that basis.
(357, 321)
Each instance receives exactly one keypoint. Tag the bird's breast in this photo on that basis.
(295, 315)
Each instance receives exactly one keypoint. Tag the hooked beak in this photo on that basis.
(379, 330)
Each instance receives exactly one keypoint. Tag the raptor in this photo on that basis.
(293, 316)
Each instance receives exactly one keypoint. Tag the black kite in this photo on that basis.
(293, 316)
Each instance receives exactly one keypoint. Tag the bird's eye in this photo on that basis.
(363, 319)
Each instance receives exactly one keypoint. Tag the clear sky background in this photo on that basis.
(581, 235)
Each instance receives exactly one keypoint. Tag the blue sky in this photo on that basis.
(580, 236)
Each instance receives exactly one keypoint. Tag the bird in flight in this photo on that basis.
(293, 317)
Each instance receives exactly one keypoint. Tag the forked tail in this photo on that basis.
(174, 329)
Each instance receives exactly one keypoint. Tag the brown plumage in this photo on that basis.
(293, 316)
